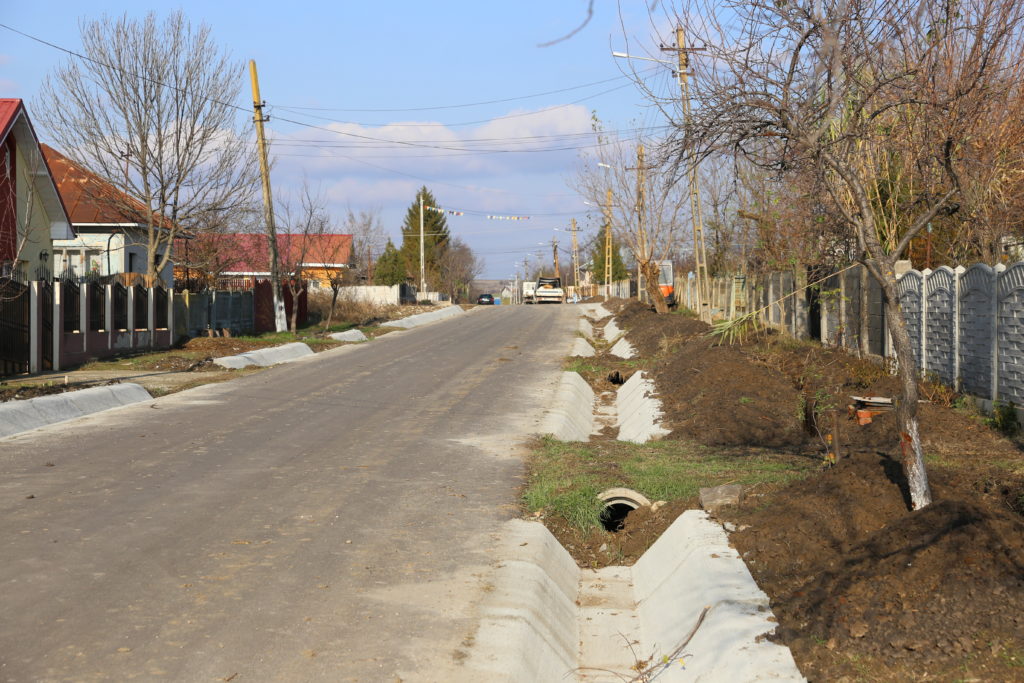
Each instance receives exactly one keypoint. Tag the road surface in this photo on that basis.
(328, 520)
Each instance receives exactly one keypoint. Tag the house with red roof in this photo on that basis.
(32, 214)
(318, 258)
(111, 227)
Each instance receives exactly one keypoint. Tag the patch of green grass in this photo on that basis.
(581, 365)
(565, 477)
(745, 400)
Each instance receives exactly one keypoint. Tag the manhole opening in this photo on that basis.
(616, 377)
(613, 517)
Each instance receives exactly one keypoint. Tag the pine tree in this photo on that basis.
(390, 270)
(435, 239)
(619, 271)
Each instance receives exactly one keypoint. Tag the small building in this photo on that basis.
(112, 233)
(32, 215)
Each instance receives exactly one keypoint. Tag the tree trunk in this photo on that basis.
(911, 453)
(863, 317)
(652, 272)
(334, 302)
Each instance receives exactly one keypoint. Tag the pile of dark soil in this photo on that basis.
(864, 589)
(655, 335)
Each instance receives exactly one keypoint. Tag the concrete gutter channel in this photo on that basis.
(688, 607)
(22, 416)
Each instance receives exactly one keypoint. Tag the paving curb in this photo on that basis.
(286, 353)
(349, 336)
(571, 417)
(595, 310)
(546, 619)
(424, 318)
(639, 412)
(586, 328)
(582, 348)
(22, 416)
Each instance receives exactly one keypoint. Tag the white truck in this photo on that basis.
(549, 290)
(529, 292)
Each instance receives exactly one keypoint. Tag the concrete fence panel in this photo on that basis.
(939, 330)
(909, 288)
(1010, 334)
(976, 327)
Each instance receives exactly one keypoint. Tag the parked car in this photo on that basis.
(485, 299)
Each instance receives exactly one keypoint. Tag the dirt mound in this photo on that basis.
(851, 571)
(716, 396)
(653, 335)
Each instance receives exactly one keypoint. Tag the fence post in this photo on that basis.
(732, 297)
(83, 314)
(925, 275)
(996, 274)
(131, 316)
(108, 314)
(842, 335)
(58, 322)
(35, 328)
(151, 315)
(957, 274)
(170, 317)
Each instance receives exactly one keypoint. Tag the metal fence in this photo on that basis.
(15, 309)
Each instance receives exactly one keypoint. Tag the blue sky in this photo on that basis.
(320, 63)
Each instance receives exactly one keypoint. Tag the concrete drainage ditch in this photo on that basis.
(688, 610)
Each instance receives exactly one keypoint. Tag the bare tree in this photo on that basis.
(368, 240)
(457, 268)
(149, 109)
(827, 91)
(305, 227)
(647, 205)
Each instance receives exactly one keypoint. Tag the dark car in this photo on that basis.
(485, 299)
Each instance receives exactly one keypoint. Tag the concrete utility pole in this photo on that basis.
(423, 267)
(280, 323)
(575, 259)
(699, 252)
(554, 252)
(641, 196)
(608, 244)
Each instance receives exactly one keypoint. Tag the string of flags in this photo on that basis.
(452, 212)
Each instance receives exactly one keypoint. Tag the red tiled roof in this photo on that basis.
(249, 252)
(89, 198)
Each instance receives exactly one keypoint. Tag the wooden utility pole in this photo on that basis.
(700, 257)
(554, 253)
(280, 323)
(423, 266)
(608, 244)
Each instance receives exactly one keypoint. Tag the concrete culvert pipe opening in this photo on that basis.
(618, 503)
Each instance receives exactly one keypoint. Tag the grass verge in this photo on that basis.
(565, 477)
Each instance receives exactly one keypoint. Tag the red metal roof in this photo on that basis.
(249, 252)
(89, 198)
(9, 109)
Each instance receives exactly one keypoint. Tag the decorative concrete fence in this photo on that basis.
(967, 325)
(213, 310)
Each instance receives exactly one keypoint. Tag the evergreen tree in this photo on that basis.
(435, 239)
(619, 271)
(390, 270)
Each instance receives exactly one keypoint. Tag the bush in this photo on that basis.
(356, 313)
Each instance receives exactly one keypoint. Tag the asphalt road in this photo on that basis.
(328, 520)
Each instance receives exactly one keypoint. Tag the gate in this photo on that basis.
(15, 309)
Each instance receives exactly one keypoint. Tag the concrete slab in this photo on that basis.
(529, 629)
(547, 620)
(571, 417)
(586, 328)
(349, 336)
(612, 331)
(639, 411)
(274, 355)
(581, 347)
(426, 318)
(623, 349)
(21, 416)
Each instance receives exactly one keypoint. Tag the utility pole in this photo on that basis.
(575, 259)
(608, 244)
(641, 232)
(280, 323)
(699, 252)
(423, 267)
(554, 253)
